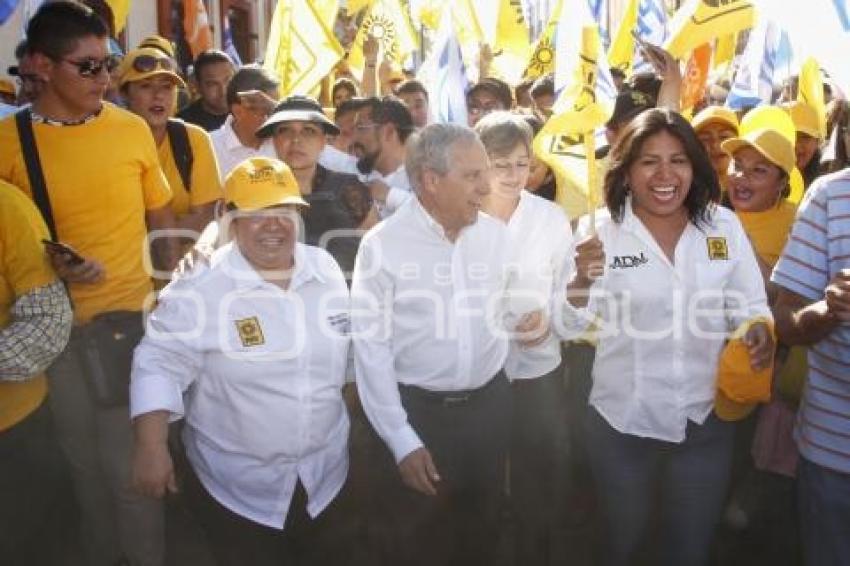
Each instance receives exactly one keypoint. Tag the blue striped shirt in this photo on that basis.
(819, 247)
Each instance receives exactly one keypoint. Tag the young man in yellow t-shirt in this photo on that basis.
(106, 190)
(35, 322)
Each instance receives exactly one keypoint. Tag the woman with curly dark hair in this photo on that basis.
(664, 277)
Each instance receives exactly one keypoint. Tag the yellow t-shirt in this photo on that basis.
(23, 267)
(769, 229)
(206, 182)
(101, 177)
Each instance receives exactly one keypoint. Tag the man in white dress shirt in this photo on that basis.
(251, 94)
(252, 352)
(429, 352)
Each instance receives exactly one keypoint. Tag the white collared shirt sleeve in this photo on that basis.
(333, 159)
(371, 317)
(168, 359)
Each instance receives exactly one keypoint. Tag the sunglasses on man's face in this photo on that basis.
(91, 68)
(148, 63)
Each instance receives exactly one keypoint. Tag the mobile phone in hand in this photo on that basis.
(58, 248)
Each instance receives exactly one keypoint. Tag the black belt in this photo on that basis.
(451, 398)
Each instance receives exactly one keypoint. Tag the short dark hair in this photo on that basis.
(705, 187)
(497, 88)
(412, 86)
(344, 83)
(543, 86)
(390, 110)
(207, 58)
(56, 27)
(250, 77)
(347, 107)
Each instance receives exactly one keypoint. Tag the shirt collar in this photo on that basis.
(246, 277)
(231, 140)
(428, 220)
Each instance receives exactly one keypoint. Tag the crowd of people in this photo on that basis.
(350, 335)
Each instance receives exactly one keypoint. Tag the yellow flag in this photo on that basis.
(388, 22)
(542, 61)
(120, 9)
(512, 44)
(196, 26)
(701, 21)
(357, 6)
(566, 142)
(430, 12)
(724, 50)
(301, 48)
(328, 10)
(811, 92)
(622, 49)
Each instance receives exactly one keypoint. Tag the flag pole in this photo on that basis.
(590, 152)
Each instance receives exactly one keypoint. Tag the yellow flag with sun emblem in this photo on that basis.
(301, 48)
(542, 60)
(622, 50)
(512, 44)
(389, 24)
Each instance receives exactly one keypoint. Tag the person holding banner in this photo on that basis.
(664, 280)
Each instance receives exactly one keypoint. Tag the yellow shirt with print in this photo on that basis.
(768, 230)
(206, 182)
(101, 177)
(23, 267)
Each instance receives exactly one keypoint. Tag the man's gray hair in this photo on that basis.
(429, 149)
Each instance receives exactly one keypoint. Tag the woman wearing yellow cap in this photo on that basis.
(148, 81)
(714, 125)
(809, 138)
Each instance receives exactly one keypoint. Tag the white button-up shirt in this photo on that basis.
(541, 244)
(662, 325)
(397, 181)
(425, 312)
(257, 372)
(229, 151)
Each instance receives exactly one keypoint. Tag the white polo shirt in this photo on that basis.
(426, 312)
(229, 151)
(541, 244)
(662, 325)
(257, 373)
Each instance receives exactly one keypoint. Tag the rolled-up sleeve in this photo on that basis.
(168, 360)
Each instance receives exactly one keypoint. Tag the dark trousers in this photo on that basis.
(824, 500)
(237, 541)
(685, 484)
(467, 439)
(33, 477)
(538, 466)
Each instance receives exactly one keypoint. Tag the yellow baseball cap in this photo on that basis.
(7, 87)
(805, 119)
(261, 182)
(739, 387)
(160, 43)
(145, 62)
(715, 114)
(774, 146)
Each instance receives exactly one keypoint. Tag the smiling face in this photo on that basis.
(660, 178)
(755, 184)
(509, 172)
(805, 149)
(267, 237)
(152, 98)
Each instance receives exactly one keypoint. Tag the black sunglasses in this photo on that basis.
(91, 68)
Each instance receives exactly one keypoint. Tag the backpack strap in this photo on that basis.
(178, 137)
(23, 120)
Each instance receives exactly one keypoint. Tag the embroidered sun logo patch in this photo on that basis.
(250, 332)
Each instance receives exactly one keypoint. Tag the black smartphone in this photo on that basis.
(58, 248)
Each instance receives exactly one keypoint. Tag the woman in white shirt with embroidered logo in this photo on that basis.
(667, 277)
(540, 242)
